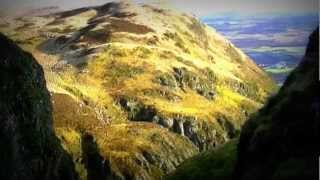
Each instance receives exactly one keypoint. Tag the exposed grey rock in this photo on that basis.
(201, 133)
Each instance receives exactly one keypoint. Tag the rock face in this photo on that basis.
(29, 148)
(281, 141)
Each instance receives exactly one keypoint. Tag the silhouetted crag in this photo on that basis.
(29, 148)
(282, 140)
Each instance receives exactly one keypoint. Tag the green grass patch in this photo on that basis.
(215, 164)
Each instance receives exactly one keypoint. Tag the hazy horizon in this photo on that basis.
(199, 7)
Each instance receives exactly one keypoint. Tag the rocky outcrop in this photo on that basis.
(281, 141)
(29, 147)
(203, 134)
(131, 150)
(182, 78)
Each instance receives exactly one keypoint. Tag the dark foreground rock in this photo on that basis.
(281, 142)
(29, 147)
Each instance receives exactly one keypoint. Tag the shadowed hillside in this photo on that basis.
(280, 142)
(29, 147)
(216, 164)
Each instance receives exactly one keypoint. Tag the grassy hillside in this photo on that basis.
(131, 150)
(135, 65)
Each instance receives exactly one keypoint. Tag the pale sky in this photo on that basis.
(197, 7)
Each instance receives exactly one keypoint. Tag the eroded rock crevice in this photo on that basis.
(203, 134)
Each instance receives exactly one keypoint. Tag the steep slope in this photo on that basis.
(30, 150)
(29, 147)
(142, 63)
(126, 75)
(120, 151)
(281, 141)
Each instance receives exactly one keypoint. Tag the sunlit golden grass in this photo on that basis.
(124, 144)
(88, 90)
(121, 64)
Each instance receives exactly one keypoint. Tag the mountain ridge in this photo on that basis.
(125, 67)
